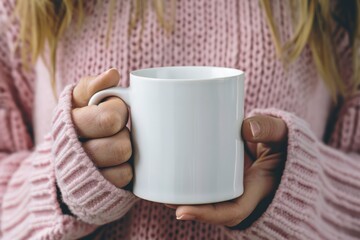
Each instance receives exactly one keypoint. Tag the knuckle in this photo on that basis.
(83, 115)
(127, 173)
(121, 148)
(108, 121)
(82, 118)
(123, 109)
(127, 149)
(127, 152)
(123, 105)
(126, 133)
(123, 151)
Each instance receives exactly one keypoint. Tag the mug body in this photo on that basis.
(186, 132)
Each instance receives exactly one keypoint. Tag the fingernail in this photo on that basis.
(255, 128)
(185, 217)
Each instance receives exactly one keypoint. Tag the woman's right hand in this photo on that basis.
(103, 128)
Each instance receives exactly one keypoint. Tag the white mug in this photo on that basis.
(186, 132)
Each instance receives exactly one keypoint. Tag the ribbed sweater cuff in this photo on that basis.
(286, 212)
(47, 218)
(84, 190)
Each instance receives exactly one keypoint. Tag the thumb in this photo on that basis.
(264, 129)
(88, 86)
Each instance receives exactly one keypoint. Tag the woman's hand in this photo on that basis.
(103, 129)
(266, 143)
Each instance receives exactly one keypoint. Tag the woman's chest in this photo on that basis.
(213, 33)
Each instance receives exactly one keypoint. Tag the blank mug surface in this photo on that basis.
(186, 132)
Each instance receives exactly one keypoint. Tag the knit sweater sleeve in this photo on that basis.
(30, 207)
(319, 193)
(84, 190)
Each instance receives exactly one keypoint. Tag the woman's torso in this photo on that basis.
(227, 33)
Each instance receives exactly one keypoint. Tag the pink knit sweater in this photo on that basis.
(319, 193)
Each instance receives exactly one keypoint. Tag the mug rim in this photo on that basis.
(140, 74)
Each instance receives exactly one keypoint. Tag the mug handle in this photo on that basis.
(122, 93)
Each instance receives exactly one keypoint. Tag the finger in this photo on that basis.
(110, 151)
(218, 213)
(264, 129)
(248, 161)
(250, 149)
(88, 86)
(231, 213)
(227, 213)
(101, 120)
(172, 206)
(120, 175)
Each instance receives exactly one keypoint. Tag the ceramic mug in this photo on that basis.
(186, 132)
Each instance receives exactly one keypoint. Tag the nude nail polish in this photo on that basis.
(185, 217)
(255, 128)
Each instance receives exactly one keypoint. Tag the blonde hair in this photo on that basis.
(315, 25)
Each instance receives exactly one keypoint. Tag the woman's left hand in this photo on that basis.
(265, 140)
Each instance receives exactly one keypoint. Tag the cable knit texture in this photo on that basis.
(319, 193)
